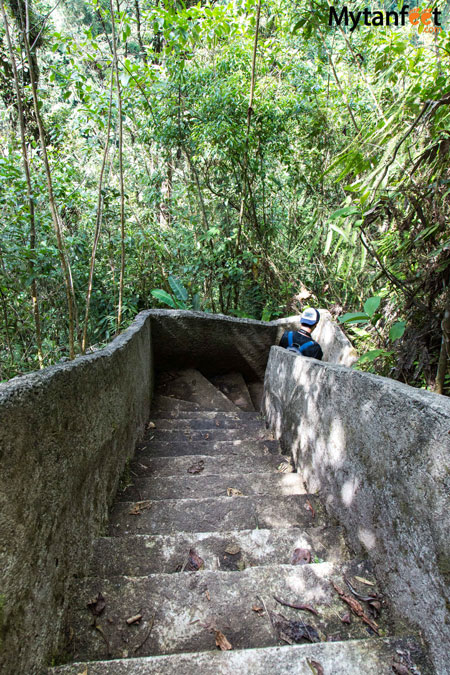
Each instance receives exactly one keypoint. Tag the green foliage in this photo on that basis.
(179, 299)
(344, 194)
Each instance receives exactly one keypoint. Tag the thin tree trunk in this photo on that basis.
(26, 165)
(444, 356)
(122, 188)
(199, 189)
(98, 220)
(138, 26)
(53, 209)
(358, 63)
(5, 316)
(249, 119)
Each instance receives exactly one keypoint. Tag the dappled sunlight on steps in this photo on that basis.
(209, 487)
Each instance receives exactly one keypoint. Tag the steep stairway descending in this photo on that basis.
(202, 540)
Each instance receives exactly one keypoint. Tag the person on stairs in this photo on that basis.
(301, 341)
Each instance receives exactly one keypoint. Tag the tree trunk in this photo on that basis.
(444, 356)
(122, 187)
(53, 209)
(26, 166)
(98, 220)
(249, 119)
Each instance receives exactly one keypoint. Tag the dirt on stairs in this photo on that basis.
(211, 541)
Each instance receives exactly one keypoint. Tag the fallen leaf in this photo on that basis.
(346, 618)
(208, 597)
(103, 634)
(301, 556)
(146, 636)
(151, 425)
(293, 631)
(137, 508)
(285, 467)
(316, 667)
(98, 605)
(194, 562)
(85, 672)
(232, 549)
(221, 641)
(355, 607)
(307, 608)
(134, 619)
(206, 436)
(375, 605)
(234, 492)
(365, 598)
(365, 581)
(217, 423)
(400, 668)
(309, 507)
(197, 468)
(258, 609)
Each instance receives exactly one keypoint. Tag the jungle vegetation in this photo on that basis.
(232, 156)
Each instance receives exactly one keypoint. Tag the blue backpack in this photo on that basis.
(293, 347)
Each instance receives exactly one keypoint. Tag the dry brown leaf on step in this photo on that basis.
(197, 468)
(306, 608)
(194, 562)
(234, 492)
(355, 607)
(316, 667)
(285, 467)
(259, 610)
(217, 423)
(98, 605)
(207, 595)
(151, 425)
(137, 508)
(206, 436)
(301, 556)
(221, 641)
(293, 631)
(232, 549)
(346, 618)
(134, 619)
(365, 581)
(309, 507)
(400, 668)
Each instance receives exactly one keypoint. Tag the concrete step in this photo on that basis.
(252, 431)
(214, 514)
(206, 423)
(182, 609)
(210, 415)
(233, 385)
(256, 390)
(191, 385)
(238, 448)
(242, 463)
(195, 486)
(352, 657)
(148, 554)
(173, 406)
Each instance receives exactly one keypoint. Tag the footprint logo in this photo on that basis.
(414, 16)
(426, 17)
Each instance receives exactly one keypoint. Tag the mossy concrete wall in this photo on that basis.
(65, 436)
(378, 452)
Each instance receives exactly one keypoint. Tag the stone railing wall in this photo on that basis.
(378, 452)
(65, 436)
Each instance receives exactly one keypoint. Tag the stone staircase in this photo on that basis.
(209, 532)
